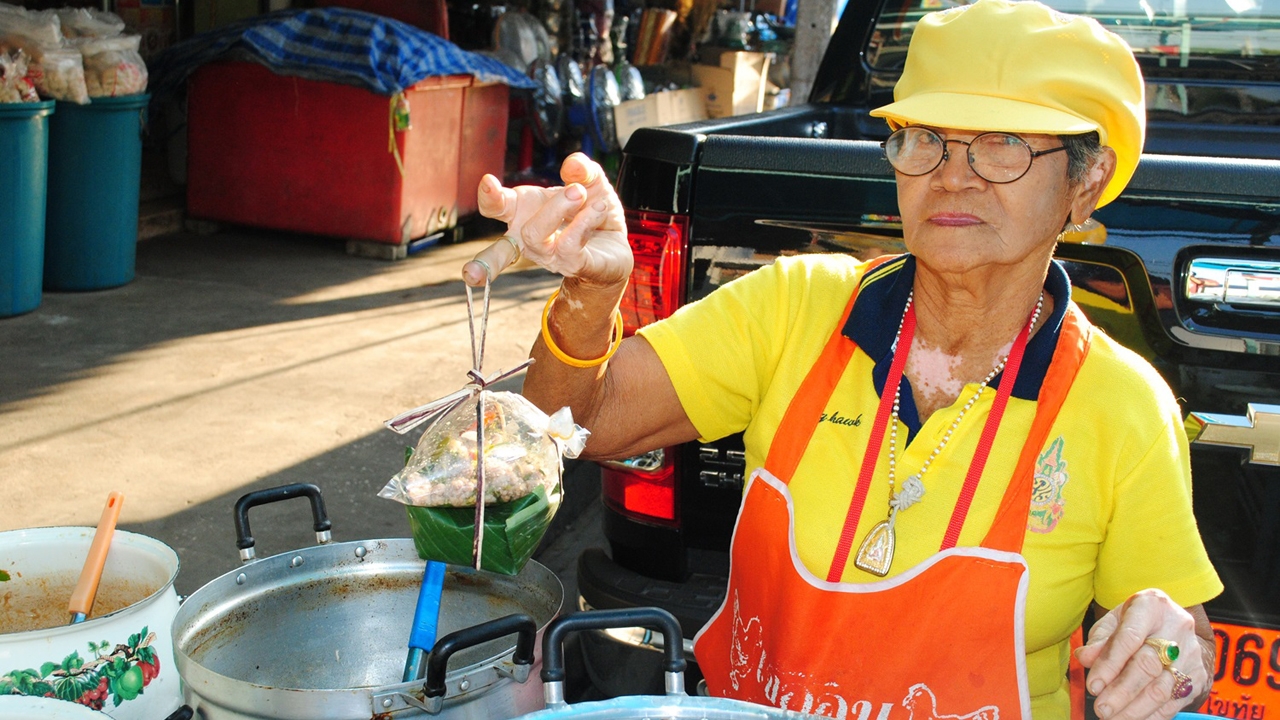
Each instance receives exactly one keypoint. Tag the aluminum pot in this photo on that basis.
(675, 705)
(322, 632)
(119, 660)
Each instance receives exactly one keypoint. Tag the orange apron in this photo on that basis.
(944, 639)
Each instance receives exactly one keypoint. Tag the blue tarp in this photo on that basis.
(382, 55)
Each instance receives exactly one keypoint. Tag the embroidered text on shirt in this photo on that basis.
(838, 419)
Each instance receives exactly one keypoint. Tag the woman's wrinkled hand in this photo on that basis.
(1125, 673)
(577, 230)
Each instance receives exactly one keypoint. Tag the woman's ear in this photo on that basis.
(1086, 194)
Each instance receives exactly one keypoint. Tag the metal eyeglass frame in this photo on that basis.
(946, 153)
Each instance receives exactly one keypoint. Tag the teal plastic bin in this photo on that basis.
(95, 170)
(24, 153)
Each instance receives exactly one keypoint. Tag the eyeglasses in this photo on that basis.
(996, 157)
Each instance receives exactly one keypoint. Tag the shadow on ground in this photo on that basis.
(193, 285)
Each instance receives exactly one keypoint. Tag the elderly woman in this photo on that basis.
(1010, 465)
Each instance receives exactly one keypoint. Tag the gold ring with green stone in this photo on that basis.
(1166, 650)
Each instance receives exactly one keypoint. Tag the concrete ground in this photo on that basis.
(243, 360)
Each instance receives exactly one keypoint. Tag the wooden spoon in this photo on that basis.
(87, 588)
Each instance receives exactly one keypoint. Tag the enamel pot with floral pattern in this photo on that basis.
(120, 660)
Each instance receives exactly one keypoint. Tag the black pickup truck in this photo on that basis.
(1184, 268)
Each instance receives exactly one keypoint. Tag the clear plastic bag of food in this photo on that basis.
(59, 75)
(89, 23)
(14, 85)
(522, 451)
(8, 74)
(27, 28)
(523, 447)
(484, 481)
(113, 66)
(57, 72)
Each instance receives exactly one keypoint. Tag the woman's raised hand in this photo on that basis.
(577, 230)
(1126, 673)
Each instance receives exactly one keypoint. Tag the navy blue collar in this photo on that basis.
(882, 300)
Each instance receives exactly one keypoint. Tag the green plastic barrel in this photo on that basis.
(95, 170)
(24, 154)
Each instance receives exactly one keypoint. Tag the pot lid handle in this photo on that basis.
(652, 618)
(519, 624)
(244, 537)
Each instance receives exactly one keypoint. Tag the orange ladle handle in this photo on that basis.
(87, 587)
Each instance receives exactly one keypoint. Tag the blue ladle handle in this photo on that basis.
(426, 621)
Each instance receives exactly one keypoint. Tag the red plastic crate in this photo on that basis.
(288, 153)
(484, 141)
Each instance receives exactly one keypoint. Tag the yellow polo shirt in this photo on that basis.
(1111, 508)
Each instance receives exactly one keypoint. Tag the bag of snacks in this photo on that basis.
(14, 85)
(56, 72)
(89, 23)
(113, 66)
(521, 453)
(27, 27)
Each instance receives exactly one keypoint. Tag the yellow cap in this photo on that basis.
(1023, 67)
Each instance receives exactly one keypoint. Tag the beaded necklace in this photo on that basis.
(875, 555)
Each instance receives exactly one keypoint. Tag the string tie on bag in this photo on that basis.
(436, 409)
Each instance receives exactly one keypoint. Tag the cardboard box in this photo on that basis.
(655, 109)
(736, 86)
(154, 20)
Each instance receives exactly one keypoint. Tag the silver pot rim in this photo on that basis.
(138, 540)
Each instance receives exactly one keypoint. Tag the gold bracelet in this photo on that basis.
(572, 361)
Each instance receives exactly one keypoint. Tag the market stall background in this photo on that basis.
(601, 69)
(567, 51)
(255, 148)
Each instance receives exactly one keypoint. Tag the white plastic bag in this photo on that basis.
(59, 75)
(14, 85)
(113, 66)
(89, 23)
(26, 27)
(56, 72)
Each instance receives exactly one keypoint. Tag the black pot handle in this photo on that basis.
(244, 537)
(182, 713)
(519, 624)
(653, 618)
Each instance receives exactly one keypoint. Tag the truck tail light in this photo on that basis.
(659, 242)
(642, 487)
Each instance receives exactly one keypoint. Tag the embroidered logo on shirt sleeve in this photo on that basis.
(1047, 504)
